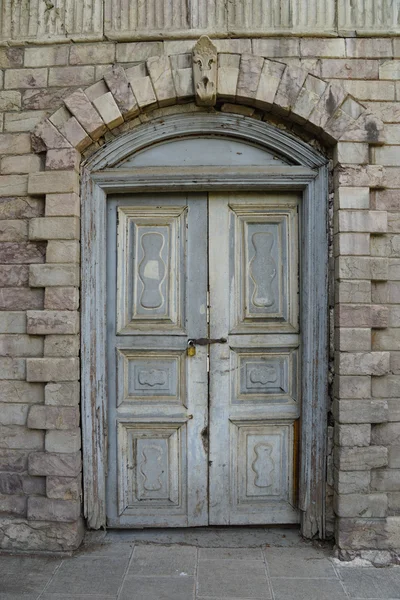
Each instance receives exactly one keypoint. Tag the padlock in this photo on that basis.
(191, 348)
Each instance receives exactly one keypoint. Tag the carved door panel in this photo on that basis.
(254, 378)
(158, 399)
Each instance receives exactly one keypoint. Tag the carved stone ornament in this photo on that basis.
(205, 72)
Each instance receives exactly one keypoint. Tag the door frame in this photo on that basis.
(101, 176)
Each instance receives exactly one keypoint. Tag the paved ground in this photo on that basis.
(218, 564)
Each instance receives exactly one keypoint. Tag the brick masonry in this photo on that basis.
(61, 102)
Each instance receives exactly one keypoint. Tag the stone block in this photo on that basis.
(14, 275)
(228, 74)
(394, 269)
(21, 391)
(270, 78)
(361, 505)
(350, 69)
(13, 414)
(394, 457)
(359, 315)
(15, 143)
(63, 251)
(108, 110)
(360, 410)
(18, 437)
(362, 267)
(387, 386)
(25, 78)
(360, 363)
(353, 435)
(14, 185)
(63, 488)
(62, 394)
(44, 322)
(182, 74)
(353, 339)
(13, 505)
(67, 159)
(387, 155)
(21, 299)
(62, 205)
(15, 461)
(368, 47)
(352, 292)
(386, 434)
(53, 417)
(308, 98)
(325, 47)
(138, 51)
(277, 47)
(389, 69)
(62, 298)
(386, 339)
(160, 72)
(393, 292)
(362, 221)
(13, 322)
(395, 363)
(41, 535)
(52, 463)
(57, 275)
(100, 53)
(372, 176)
(70, 76)
(351, 153)
(10, 483)
(10, 100)
(46, 509)
(13, 368)
(13, 231)
(352, 482)
(20, 345)
(353, 386)
(250, 69)
(46, 136)
(63, 441)
(142, 86)
(46, 56)
(52, 369)
(360, 459)
(61, 345)
(75, 134)
(387, 480)
(82, 109)
(292, 81)
(118, 84)
(53, 182)
(21, 208)
(29, 163)
(331, 99)
(392, 177)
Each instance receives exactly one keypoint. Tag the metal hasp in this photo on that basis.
(206, 341)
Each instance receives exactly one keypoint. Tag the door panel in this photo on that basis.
(254, 391)
(158, 404)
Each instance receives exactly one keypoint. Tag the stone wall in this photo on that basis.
(357, 118)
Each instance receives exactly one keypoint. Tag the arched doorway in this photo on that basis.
(209, 228)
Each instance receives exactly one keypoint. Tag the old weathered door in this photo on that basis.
(254, 403)
(158, 406)
(207, 438)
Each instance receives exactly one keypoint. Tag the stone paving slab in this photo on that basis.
(116, 567)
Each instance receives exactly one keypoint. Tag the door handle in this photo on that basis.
(206, 341)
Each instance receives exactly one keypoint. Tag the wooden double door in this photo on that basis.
(203, 365)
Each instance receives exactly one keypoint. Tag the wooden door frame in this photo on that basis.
(101, 176)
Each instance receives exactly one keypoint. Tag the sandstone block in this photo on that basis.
(368, 47)
(61, 345)
(160, 72)
(386, 339)
(57, 275)
(53, 182)
(13, 322)
(13, 505)
(387, 480)
(309, 97)
(15, 461)
(352, 292)
(62, 205)
(52, 369)
(352, 198)
(331, 99)
(353, 339)
(372, 176)
(14, 275)
(386, 434)
(65, 159)
(75, 134)
(361, 505)
(393, 292)
(21, 391)
(379, 293)
(350, 69)
(46, 136)
(19, 437)
(51, 463)
(15, 143)
(45, 509)
(270, 78)
(359, 315)
(228, 74)
(13, 231)
(62, 298)
(21, 299)
(25, 78)
(108, 110)
(387, 155)
(41, 535)
(387, 386)
(292, 81)
(20, 345)
(352, 482)
(44, 322)
(21, 208)
(54, 228)
(360, 411)
(142, 86)
(353, 435)
(63, 251)
(360, 459)
(53, 417)
(118, 85)
(62, 394)
(387, 199)
(63, 488)
(34, 486)
(100, 53)
(13, 414)
(70, 76)
(82, 109)
(362, 221)
(138, 51)
(29, 163)
(182, 74)
(360, 363)
(362, 267)
(394, 269)
(10, 101)
(250, 68)
(12, 368)
(351, 153)
(353, 386)
(63, 441)
(394, 457)
(46, 56)
(14, 185)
